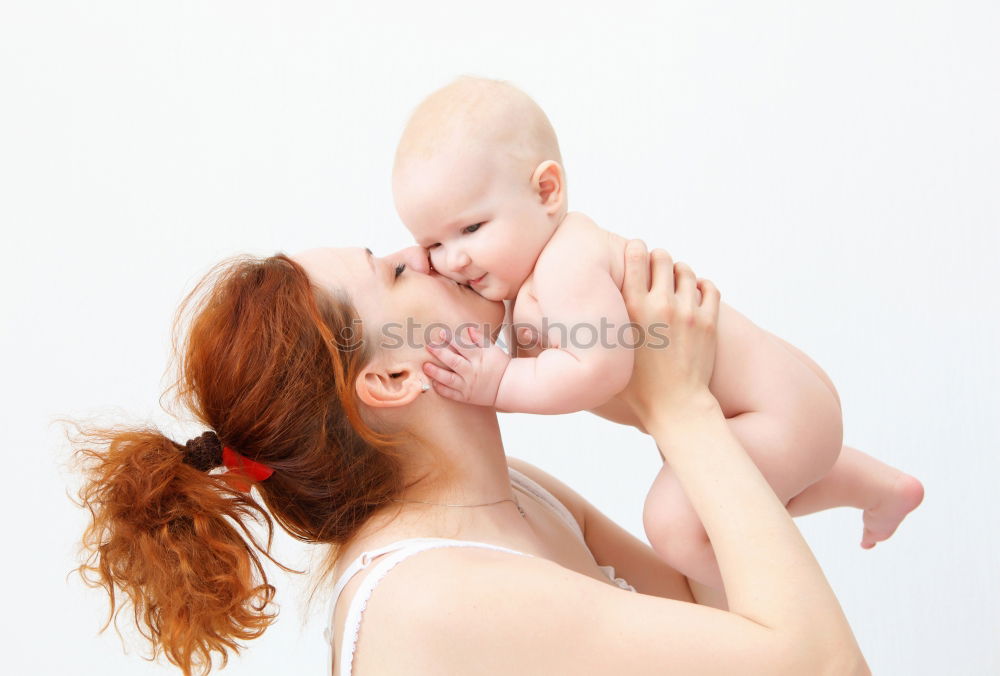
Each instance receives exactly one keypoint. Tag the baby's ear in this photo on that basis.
(548, 181)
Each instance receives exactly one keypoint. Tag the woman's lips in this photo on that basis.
(434, 274)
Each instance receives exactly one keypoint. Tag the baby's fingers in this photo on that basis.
(448, 392)
(467, 341)
(443, 376)
(448, 355)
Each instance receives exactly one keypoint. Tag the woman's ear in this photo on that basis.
(548, 181)
(386, 387)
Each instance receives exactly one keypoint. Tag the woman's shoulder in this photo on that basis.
(570, 499)
(456, 591)
(494, 612)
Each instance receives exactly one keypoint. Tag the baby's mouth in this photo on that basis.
(474, 282)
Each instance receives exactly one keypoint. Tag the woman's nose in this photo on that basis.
(415, 258)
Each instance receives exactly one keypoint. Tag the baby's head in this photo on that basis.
(478, 181)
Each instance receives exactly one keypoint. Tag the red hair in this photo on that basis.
(265, 364)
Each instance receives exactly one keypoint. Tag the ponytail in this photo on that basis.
(176, 541)
(259, 363)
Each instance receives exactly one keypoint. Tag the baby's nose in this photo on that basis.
(457, 260)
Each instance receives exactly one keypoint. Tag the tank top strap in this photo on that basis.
(528, 484)
(397, 552)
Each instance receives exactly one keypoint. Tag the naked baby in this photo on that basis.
(478, 180)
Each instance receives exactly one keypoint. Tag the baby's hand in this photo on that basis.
(474, 369)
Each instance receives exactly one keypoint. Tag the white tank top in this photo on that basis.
(403, 549)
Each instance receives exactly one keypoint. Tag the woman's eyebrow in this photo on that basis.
(371, 262)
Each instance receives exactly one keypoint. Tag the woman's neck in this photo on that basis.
(462, 454)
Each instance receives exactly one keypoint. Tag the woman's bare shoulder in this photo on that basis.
(485, 611)
(611, 544)
(572, 500)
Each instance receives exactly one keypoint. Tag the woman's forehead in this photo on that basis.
(336, 267)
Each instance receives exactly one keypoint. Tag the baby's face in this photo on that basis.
(477, 215)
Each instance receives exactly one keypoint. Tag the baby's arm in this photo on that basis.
(582, 305)
(581, 369)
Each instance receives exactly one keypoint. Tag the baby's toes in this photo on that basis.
(881, 521)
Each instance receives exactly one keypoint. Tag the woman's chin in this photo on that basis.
(488, 312)
(490, 293)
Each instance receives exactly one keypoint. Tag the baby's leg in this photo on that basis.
(675, 532)
(672, 526)
(813, 366)
(885, 494)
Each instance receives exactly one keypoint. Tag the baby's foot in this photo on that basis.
(903, 496)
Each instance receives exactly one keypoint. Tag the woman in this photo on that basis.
(348, 445)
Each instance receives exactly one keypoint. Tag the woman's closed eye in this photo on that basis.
(399, 269)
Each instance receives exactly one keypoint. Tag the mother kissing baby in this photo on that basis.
(459, 558)
(478, 180)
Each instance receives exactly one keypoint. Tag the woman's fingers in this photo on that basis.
(710, 299)
(636, 283)
(663, 274)
(685, 285)
(707, 288)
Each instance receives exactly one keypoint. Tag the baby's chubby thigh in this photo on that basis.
(675, 532)
(790, 454)
(786, 417)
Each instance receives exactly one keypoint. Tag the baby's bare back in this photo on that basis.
(576, 237)
(754, 370)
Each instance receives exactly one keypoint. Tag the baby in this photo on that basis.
(478, 180)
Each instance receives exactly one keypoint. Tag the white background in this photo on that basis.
(833, 167)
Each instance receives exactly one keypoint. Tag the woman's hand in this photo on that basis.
(676, 347)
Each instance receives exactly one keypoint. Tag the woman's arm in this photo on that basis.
(504, 613)
(770, 574)
(612, 545)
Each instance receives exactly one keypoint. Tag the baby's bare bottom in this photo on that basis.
(807, 485)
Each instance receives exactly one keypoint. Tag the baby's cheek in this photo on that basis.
(435, 258)
(439, 261)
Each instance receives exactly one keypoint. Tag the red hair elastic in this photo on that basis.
(240, 468)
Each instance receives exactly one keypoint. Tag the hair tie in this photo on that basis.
(206, 452)
(240, 468)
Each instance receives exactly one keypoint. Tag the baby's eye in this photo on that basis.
(472, 228)
(435, 245)
(399, 269)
